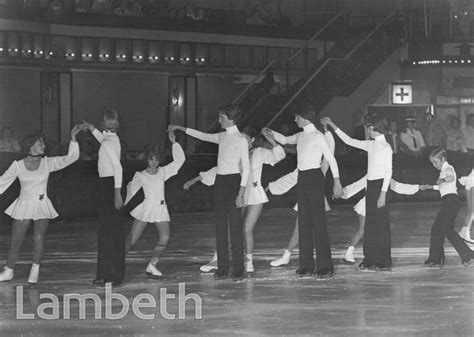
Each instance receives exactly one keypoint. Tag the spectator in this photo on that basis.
(82, 6)
(255, 19)
(55, 9)
(455, 137)
(7, 142)
(123, 9)
(393, 137)
(102, 6)
(412, 141)
(433, 133)
(361, 132)
(136, 8)
(468, 133)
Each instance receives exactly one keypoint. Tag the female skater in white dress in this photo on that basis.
(153, 208)
(33, 203)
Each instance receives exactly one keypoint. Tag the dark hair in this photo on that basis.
(249, 131)
(110, 114)
(30, 140)
(232, 112)
(153, 150)
(375, 120)
(5, 128)
(305, 110)
(439, 153)
(469, 118)
(454, 119)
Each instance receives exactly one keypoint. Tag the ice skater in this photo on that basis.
(377, 243)
(254, 197)
(233, 170)
(33, 203)
(153, 209)
(468, 183)
(110, 235)
(444, 222)
(311, 147)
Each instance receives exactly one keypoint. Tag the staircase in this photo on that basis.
(358, 52)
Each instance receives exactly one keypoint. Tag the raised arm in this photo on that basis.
(360, 144)
(280, 138)
(206, 137)
(178, 160)
(60, 162)
(7, 178)
(276, 154)
(133, 186)
(284, 183)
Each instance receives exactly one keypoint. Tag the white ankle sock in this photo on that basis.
(249, 257)
(350, 250)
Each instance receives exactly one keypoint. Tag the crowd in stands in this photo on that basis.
(416, 140)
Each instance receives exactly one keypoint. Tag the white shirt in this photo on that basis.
(311, 146)
(233, 151)
(447, 188)
(409, 137)
(468, 132)
(379, 156)
(109, 156)
(288, 181)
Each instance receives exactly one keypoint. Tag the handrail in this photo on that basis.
(275, 60)
(314, 36)
(295, 95)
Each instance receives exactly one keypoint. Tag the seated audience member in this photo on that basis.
(255, 19)
(7, 142)
(433, 133)
(468, 133)
(102, 6)
(123, 9)
(361, 132)
(412, 141)
(455, 137)
(82, 6)
(136, 8)
(393, 137)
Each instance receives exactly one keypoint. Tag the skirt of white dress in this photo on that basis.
(149, 211)
(24, 209)
(255, 195)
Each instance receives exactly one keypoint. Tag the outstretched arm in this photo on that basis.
(178, 158)
(60, 162)
(207, 137)
(360, 144)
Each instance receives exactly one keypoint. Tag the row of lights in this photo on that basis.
(104, 56)
(424, 62)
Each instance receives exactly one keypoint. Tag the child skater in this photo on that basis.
(468, 183)
(444, 223)
(283, 185)
(311, 147)
(110, 236)
(377, 254)
(153, 208)
(255, 196)
(33, 203)
(229, 191)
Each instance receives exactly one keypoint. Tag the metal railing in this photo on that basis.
(326, 62)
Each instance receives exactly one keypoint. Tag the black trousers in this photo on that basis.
(444, 227)
(312, 223)
(377, 243)
(226, 189)
(110, 236)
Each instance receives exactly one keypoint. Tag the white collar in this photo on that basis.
(232, 129)
(380, 138)
(309, 128)
(445, 165)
